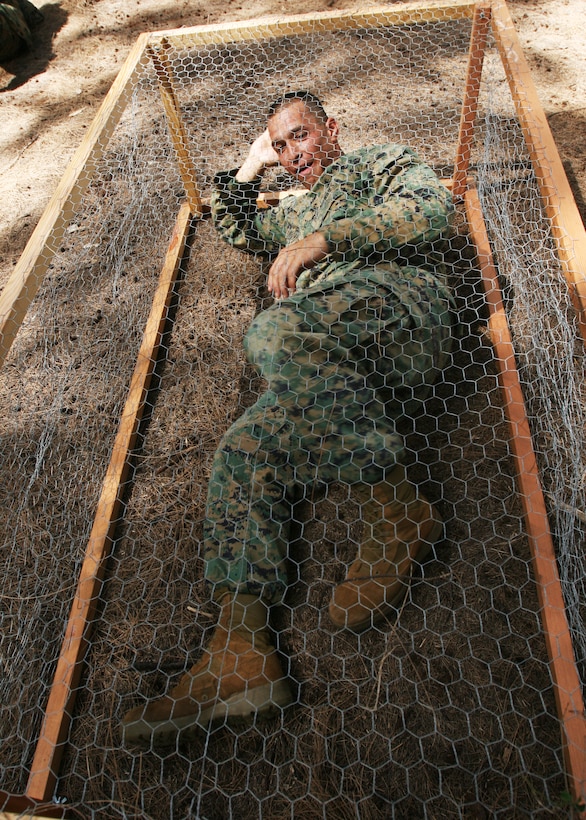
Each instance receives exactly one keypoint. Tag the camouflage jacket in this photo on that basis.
(375, 206)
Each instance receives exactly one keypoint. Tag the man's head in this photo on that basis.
(302, 134)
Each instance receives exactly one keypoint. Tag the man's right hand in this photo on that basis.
(260, 155)
(291, 260)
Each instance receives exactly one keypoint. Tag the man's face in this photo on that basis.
(304, 143)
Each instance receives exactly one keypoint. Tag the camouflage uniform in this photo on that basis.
(355, 347)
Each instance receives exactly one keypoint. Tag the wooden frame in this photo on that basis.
(45, 766)
(556, 194)
(270, 27)
(568, 231)
(566, 682)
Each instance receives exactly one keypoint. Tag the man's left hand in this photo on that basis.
(299, 256)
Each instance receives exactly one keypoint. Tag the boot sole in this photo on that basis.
(385, 609)
(261, 702)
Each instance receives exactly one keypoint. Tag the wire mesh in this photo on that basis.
(447, 710)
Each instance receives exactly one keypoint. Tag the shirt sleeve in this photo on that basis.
(238, 220)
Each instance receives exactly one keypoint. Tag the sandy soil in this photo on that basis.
(49, 96)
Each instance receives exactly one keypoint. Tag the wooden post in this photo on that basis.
(15, 806)
(162, 63)
(566, 682)
(45, 766)
(556, 194)
(478, 38)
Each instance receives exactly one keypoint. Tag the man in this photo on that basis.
(360, 329)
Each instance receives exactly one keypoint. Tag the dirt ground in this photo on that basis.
(49, 96)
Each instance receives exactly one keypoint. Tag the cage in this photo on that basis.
(122, 330)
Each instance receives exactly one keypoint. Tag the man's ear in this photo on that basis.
(333, 129)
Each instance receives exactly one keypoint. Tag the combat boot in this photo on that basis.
(239, 676)
(401, 527)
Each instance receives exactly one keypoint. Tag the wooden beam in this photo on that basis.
(269, 27)
(164, 69)
(16, 805)
(45, 766)
(9, 815)
(562, 662)
(30, 270)
(556, 194)
(480, 28)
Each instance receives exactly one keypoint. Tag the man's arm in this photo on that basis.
(293, 259)
(245, 229)
(261, 155)
(236, 217)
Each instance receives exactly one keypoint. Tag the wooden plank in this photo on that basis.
(317, 22)
(480, 28)
(164, 69)
(556, 194)
(8, 815)
(30, 270)
(16, 805)
(566, 681)
(54, 732)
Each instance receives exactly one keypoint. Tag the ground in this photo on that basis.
(49, 95)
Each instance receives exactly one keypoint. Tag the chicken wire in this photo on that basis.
(447, 711)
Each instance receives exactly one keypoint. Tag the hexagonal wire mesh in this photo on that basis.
(446, 710)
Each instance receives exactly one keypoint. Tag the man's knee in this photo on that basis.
(260, 436)
(271, 334)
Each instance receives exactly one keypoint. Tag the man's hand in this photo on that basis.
(292, 260)
(260, 155)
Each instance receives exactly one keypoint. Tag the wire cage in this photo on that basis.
(122, 331)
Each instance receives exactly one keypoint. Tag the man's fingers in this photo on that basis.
(264, 149)
(292, 260)
(281, 280)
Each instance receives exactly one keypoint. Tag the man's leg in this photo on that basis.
(248, 512)
(341, 365)
(401, 527)
(238, 676)
(320, 420)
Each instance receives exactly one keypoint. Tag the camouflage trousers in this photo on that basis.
(342, 364)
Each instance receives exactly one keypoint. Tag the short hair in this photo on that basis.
(314, 104)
